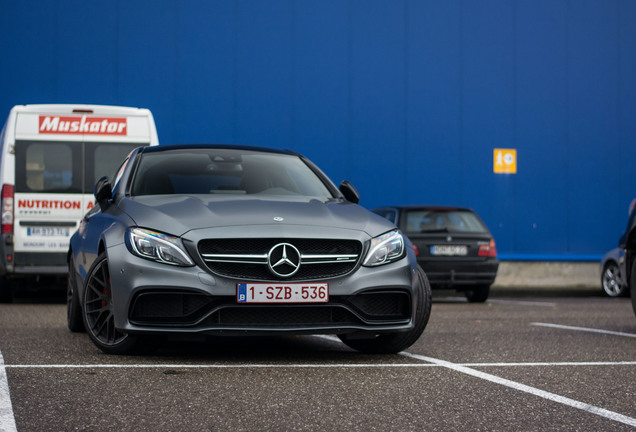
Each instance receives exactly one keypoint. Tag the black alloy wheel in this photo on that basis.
(97, 311)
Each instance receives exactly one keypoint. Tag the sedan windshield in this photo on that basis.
(225, 171)
(430, 221)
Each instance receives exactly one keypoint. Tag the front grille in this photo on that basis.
(248, 258)
(196, 310)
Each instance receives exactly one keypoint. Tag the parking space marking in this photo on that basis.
(523, 302)
(590, 330)
(620, 363)
(224, 366)
(302, 365)
(527, 389)
(7, 420)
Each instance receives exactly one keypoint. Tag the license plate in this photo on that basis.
(449, 250)
(48, 232)
(282, 293)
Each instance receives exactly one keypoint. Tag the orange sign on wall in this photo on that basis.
(505, 161)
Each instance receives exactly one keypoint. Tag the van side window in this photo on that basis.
(46, 167)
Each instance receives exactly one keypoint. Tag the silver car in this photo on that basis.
(226, 240)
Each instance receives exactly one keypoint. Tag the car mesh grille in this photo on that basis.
(380, 304)
(191, 309)
(170, 307)
(227, 257)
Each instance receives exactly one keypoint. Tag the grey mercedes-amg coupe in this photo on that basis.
(237, 240)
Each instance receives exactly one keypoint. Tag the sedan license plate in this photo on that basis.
(48, 232)
(449, 250)
(282, 293)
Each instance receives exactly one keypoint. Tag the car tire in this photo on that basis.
(97, 311)
(6, 290)
(611, 280)
(74, 318)
(396, 342)
(632, 286)
(477, 294)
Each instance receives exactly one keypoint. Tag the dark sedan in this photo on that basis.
(228, 240)
(628, 243)
(452, 245)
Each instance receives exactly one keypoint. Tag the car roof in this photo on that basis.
(162, 148)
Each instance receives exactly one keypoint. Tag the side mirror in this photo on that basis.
(349, 191)
(103, 192)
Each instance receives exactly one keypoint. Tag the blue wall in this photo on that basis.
(407, 99)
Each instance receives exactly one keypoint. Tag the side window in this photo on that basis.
(48, 167)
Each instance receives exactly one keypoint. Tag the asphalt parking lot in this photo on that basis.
(524, 360)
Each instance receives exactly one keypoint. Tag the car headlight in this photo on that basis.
(384, 249)
(157, 246)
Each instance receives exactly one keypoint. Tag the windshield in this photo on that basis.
(426, 221)
(223, 171)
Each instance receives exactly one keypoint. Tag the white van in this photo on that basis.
(50, 159)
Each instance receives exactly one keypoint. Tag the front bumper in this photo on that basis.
(150, 297)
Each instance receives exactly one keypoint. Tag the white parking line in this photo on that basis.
(523, 302)
(532, 390)
(305, 365)
(550, 364)
(224, 366)
(7, 421)
(591, 330)
(522, 387)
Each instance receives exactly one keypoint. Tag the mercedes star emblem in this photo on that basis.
(283, 260)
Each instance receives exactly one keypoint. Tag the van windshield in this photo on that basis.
(65, 167)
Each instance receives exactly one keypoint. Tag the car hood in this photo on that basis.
(177, 214)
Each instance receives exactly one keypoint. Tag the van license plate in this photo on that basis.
(48, 232)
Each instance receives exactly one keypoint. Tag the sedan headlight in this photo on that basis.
(157, 246)
(384, 249)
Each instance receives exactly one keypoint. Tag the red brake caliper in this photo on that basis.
(105, 292)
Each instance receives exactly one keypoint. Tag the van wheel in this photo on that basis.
(98, 314)
(73, 308)
(6, 290)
